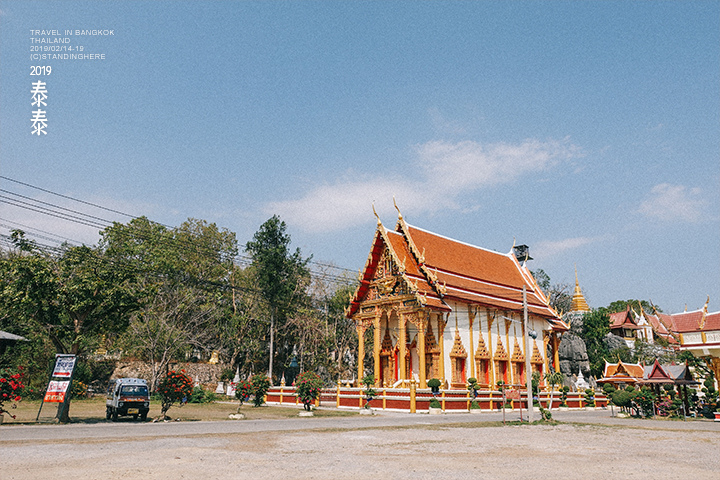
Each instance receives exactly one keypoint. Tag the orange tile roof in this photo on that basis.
(478, 275)
(443, 269)
(683, 322)
(712, 321)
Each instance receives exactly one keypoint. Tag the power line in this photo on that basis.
(85, 219)
(67, 197)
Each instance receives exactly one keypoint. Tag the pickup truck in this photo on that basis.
(127, 396)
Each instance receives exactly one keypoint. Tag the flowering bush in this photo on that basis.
(260, 385)
(308, 386)
(12, 389)
(78, 389)
(243, 390)
(175, 387)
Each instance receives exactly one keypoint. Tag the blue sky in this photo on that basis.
(587, 130)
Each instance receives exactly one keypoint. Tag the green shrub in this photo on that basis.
(644, 399)
(308, 385)
(368, 382)
(434, 403)
(621, 398)
(200, 395)
(433, 383)
(260, 386)
(474, 405)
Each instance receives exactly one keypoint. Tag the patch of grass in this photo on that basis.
(92, 410)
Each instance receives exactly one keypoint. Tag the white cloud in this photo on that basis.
(471, 164)
(445, 171)
(673, 203)
(549, 249)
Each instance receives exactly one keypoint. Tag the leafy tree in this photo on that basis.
(621, 306)
(281, 277)
(553, 378)
(596, 325)
(70, 295)
(180, 276)
(559, 294)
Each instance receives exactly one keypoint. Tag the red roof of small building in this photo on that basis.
(624, 319)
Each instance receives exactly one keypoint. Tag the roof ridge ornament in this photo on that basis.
(396, 208)
(376, 214)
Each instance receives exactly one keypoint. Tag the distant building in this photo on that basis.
(441, 308)
(697, 331)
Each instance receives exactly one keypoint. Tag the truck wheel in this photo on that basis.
(143, 416)
(107, 413)
(135, 417)
(114, 416)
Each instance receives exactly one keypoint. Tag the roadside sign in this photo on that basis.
(59, 384)
(56, 391)
(64, 366)
(513, 394)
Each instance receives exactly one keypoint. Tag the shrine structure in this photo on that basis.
(441, 308)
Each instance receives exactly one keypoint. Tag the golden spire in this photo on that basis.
(578, 301)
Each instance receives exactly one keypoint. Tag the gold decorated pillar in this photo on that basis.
(376, 349)
(403, 348)
(471, 320)
(441, 337)
(421, 349)
(556, 351)
(361, 351)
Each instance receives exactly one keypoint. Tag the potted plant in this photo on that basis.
(563, 398)
(589, 398)
(368, 382)
(434, 385)
(435, 407)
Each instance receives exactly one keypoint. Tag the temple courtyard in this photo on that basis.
(586, 445)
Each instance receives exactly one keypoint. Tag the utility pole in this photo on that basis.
(528, 352)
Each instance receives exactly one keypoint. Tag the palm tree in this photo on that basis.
(554, 378)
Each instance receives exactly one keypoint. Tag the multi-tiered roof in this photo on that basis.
(440, 271)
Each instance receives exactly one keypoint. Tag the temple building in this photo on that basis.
(631, 326)
(441, 308)
(697, 331)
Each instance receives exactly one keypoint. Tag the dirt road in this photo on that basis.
(393, 446)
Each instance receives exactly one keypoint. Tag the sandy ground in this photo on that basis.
(401, 447)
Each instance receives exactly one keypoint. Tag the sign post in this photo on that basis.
(58, 389)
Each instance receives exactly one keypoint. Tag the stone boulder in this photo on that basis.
(613, 342)
(573, 356)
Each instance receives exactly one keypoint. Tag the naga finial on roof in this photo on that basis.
(376, 215)
(396, 208)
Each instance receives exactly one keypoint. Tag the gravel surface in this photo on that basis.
(397, 446)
